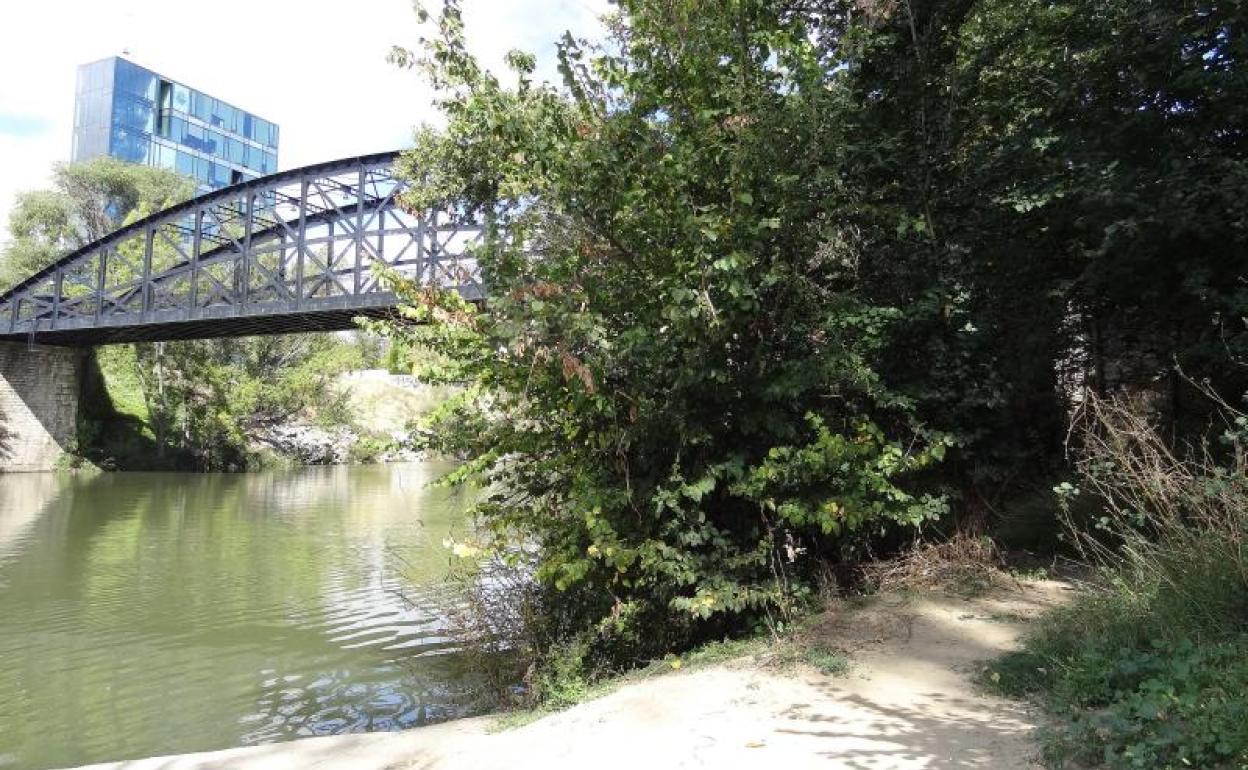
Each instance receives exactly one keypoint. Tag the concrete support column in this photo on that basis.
(39, 387)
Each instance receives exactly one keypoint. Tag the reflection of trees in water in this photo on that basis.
(147, 589)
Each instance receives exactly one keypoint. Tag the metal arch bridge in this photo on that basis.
(291, 252)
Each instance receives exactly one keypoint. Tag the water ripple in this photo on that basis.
(165, 613)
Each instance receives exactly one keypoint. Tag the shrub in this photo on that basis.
(369, 448)
(1162, 705)
(562, 679)
(679, 405)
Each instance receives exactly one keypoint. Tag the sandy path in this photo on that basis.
(907, 704)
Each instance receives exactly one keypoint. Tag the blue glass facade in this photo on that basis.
(139, 116)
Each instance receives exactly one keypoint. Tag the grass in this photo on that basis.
(1149, 667)
(764, 649)
(829, 662)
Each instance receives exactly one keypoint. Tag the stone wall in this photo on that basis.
(39, 388)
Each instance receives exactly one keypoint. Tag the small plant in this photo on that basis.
(561, 679)
(1017, 674)
(829, 661)
(1029, 574)
(370, 448)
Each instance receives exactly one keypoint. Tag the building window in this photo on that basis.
(134, 113)
(129, 145)
(201, 106)
(134, 80)
(184, 163)
(193, 136)
(160, 156)
(181, 98)
(233, 150)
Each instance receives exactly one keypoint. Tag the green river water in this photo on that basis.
(157, 613)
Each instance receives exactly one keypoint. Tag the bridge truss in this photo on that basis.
(300, 250)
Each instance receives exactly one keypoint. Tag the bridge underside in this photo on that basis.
(300, 251)
(251, 325)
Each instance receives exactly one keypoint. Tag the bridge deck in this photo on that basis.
(301, 250)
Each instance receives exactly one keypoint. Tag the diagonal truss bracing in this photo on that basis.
(300, 250)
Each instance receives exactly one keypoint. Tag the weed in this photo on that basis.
(1031, 574)
(828, 661)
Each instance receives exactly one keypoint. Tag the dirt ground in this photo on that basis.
(908, 702)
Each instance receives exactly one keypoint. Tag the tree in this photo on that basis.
(814, 270)
(86, 202)
(679, 402)
(1077, 169)
(1130, 165)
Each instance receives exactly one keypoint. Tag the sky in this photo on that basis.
(317, 68)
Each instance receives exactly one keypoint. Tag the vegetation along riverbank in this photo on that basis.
(819, 278)
(789, 299)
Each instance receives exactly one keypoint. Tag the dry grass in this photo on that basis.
(964, 564)
(1173, 528)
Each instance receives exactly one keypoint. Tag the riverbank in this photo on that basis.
(907, 701)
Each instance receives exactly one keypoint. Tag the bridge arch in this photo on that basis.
(294, 251)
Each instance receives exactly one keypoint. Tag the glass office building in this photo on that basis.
(139, 116)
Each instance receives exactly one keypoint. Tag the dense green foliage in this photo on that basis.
(1150, 668)
(199, 404)
(1166, 705)
(690, 406)
(814, 272)
(172, 404)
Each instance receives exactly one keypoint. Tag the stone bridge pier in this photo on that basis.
(39, 389)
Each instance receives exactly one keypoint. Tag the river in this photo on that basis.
(157, 613)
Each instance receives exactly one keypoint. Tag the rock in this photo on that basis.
(383, 409)
(307, 444)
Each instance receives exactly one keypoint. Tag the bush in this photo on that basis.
(1174, 705)
(367, 449)
(562, 679)
(1149, 669)
(1160, 705)
(679, 406)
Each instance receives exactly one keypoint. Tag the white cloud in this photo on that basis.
(316, 67)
